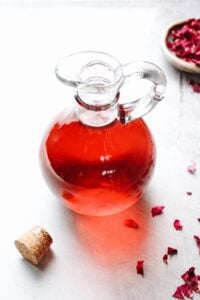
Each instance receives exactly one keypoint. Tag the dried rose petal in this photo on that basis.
(171, 251)
(183, 40)
(131, 224)
(178, 225)
(191, 285)
(178, 293)
(189, 193)
(165, 258)
(197, 241)
(157, 210)
(139, 267)
(195, 85)
(198, 219)
(187, 290)
(188, 275)
(195, 283)
(192, 169)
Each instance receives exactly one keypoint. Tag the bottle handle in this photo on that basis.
(132, 110)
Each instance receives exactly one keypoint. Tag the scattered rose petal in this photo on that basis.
(171, 251)
(178, 225)
(195, 85)
(188, 275)
(192, 169)
(187, 290)
(191, 285)
(198, 220)
(165, 258)
(189, 193)
(139, 267)
(131, 224)
(157, 210)
(197, 241)
(195, 283)
(178, 293)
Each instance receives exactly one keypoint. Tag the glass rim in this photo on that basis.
(81, 84)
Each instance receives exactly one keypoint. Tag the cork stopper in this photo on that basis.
(34, 244)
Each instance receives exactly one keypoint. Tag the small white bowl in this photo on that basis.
(171, 56)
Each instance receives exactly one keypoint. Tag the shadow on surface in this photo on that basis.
(46, 260)
(108, 240)
(36, 271)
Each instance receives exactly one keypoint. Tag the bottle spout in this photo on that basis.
(96, 76)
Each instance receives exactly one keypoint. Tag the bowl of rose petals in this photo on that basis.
(181, 45)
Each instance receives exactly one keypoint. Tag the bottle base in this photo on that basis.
(112, 203)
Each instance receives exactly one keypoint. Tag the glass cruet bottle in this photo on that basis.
(99, 155)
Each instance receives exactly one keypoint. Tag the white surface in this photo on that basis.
(92, 258)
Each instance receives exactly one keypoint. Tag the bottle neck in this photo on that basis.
(97, 116)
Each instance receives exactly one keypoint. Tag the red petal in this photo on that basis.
(178, 225)
(192, 169)
(189, 275)
(195, 86)
(171, 251)
(165, 258)
(189, 193)
(139, 267)
(187, 290)
(178, 293)
(131, 223)
(198, 241)
(157, 210)
(196, 283)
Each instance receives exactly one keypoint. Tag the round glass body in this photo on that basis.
(97, 170)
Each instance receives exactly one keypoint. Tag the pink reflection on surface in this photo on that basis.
(108, 240)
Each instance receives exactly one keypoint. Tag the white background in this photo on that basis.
(92, 258)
